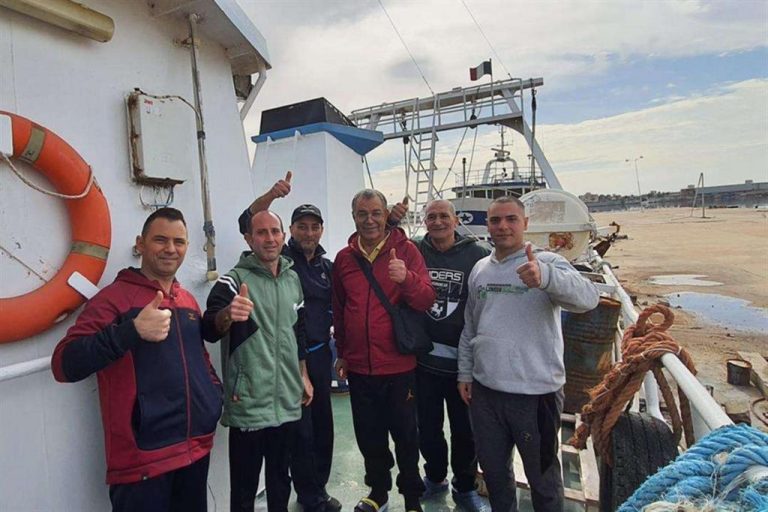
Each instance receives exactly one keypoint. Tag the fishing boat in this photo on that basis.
(146, 101)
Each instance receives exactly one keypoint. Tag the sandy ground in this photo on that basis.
(729, 246)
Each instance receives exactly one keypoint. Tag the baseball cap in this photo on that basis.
(306, 209)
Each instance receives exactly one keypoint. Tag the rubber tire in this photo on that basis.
(641, 445)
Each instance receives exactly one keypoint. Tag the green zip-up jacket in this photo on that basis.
(260, 357)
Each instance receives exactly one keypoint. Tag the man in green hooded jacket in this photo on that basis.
(257, 310)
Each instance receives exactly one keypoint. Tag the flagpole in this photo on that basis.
(492, 98)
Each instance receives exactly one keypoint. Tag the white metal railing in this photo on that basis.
(14, 371)
(707, 413)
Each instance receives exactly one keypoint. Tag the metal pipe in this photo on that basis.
(210, 233)
(254, 92)
(709, 410)
(17, 370)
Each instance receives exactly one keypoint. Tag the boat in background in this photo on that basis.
(559, 222)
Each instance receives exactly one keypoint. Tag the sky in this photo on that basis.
(684, 84)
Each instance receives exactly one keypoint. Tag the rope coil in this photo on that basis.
(643, 345)
(727, 470)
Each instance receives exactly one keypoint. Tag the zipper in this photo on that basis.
(186, 378)
(275, 349)
(368, 326)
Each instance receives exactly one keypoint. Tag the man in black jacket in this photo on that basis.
(312, 449)
(449, 257)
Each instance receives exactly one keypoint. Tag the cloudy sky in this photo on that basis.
(682, 83)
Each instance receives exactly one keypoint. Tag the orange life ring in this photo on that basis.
(25, 315)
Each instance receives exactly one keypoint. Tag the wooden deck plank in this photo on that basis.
(590, 475)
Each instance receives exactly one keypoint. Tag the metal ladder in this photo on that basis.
(420, 164)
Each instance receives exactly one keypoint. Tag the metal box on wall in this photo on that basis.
(163, 139)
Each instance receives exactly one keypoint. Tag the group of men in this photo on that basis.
(496, 365)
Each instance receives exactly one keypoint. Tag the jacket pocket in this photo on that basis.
(159, 420)
(236, 385)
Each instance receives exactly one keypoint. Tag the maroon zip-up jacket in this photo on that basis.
(160, 402)
(362, 327)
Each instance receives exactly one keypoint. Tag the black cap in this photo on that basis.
(306, 209)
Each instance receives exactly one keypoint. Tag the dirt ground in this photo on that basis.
(729, 246)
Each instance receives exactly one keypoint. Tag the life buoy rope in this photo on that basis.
(26, 315)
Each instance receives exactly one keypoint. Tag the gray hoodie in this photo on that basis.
(512, 339)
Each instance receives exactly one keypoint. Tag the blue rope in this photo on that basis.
(727, 469)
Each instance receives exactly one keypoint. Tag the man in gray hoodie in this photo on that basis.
(511, 370)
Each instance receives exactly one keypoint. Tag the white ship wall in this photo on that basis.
(326, 173)
(51, 439)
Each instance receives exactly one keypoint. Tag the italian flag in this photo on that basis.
(480, 71)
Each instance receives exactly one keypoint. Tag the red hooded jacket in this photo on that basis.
(362, 327)
(160, 402)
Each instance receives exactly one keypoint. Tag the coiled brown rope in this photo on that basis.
(642, 347)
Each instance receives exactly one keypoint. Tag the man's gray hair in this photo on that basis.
(369, 193)
(508, 199)
(451, 207)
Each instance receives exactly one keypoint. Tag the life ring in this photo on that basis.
(26, 315)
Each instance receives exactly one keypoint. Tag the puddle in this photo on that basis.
(728, 312)
(682, 280)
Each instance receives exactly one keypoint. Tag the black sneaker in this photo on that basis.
(332, 504)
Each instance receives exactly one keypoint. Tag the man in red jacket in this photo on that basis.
(381, 380)
(160, 397)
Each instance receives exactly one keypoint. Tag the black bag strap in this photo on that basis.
(366, 268)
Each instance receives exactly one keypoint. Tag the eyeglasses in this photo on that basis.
(363, 215)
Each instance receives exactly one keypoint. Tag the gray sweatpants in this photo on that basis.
(501, 421)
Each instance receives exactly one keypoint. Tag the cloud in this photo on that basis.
(723, 134)
(349, 53)
(348, 50)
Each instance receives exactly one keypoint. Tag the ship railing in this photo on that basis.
(707, 414)
(477, 177)
(14, 371)
(458, 108)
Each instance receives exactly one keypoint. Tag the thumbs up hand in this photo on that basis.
(397, 270)
(529, 272)
(241, 306)
(282, 188)
(153, 323)
(398, 212)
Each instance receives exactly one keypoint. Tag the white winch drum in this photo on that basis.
(558, 221)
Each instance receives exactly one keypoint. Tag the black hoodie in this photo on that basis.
(449, 272)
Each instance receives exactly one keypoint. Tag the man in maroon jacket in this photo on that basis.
(160, 397)
(381, 380)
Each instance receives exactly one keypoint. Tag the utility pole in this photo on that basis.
(637, 177)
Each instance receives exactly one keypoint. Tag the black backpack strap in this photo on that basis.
(366, 268)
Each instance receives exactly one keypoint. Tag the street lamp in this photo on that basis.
(637, 177)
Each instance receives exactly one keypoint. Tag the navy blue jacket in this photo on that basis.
(315, 277)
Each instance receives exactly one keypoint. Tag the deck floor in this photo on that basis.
(346, 482)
